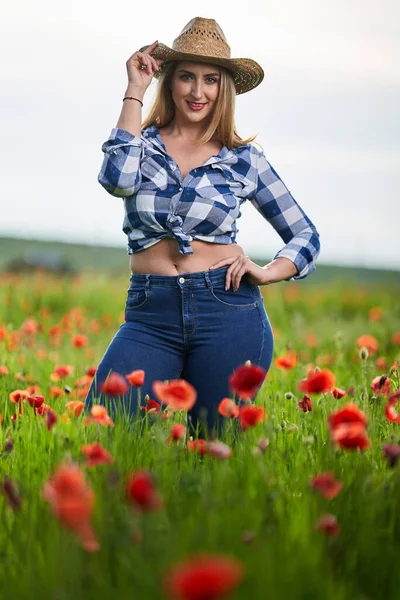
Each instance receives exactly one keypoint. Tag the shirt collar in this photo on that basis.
(152, 134)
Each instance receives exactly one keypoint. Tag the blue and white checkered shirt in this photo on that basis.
(204, 205)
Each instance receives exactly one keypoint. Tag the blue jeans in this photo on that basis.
(187, 326)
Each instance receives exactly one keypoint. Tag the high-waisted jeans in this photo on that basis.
(187, 326)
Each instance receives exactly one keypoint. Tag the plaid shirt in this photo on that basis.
(205, 204)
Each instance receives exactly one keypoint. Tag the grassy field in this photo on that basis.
(114, 261)
(61, 539)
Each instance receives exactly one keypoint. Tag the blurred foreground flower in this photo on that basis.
(328, 524)
(72, 500)
(114, 385)
(142, 492)
(96, 455)
(228, 408)
(348, 427)
(326, 485)
(178, 394)
(203, 577)
(99, 416)
(392, 453)
(246, 380)
(136, 378)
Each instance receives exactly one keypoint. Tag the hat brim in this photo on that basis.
(246, 73)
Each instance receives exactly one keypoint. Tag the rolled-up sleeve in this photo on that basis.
(275, 203)
(120, 172)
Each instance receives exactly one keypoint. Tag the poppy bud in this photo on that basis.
(363, 353)
(289, 396)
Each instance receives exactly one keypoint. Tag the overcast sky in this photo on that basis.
(326, 114)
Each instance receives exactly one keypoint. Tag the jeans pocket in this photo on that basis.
(244, 298)
(137, 298)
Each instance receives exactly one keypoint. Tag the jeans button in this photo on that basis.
(181, 279)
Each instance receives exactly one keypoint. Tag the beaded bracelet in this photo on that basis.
(132, 98)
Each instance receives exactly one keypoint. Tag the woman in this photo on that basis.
(194, 309)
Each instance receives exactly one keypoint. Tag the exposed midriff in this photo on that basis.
(164, 257)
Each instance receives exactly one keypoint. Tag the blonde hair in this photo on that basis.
(222, 123)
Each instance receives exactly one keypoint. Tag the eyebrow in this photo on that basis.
(190, 73)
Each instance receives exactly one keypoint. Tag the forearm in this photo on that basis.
(279, 269)
(130, 118)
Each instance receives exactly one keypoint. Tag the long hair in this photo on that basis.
(222, 122)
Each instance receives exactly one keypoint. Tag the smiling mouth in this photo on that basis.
(196, 105)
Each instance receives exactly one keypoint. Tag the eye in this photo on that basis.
(184, 76)
(212, 79)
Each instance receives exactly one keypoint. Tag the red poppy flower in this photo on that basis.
(43, 409)
(369, 342)
(204, 577)
(395, 337)
(317, 382)
(228, 408)
(79, 341)
(338, 392)
(326, 485)
(178, 394)
(51, 419)
(91, 371)
(390, 410)
(75, 407)
(63, 370)
(375, 313)
(246, 380)
(286, 361)
(328, 524)
(55, 392)
(3, 370)
(114, 385)
(381, 385)
(142, 492)
(99, 416)
(305, 404)
(35, 401)
(349, 413)
(251, 415)
(17, 396)
(392, 453)
(351, 436)
(72, 501)
(152, 405)
(199, 446)
(96, 454)
(178, 431)
(136, 378)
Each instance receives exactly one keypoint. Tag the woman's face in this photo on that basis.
(195, 88)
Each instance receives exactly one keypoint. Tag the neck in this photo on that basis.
(184, 131)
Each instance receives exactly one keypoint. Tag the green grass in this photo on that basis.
(114, 261)
(208, 504)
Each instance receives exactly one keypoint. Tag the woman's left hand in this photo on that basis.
(239, 266)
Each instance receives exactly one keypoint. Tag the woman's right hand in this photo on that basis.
(138, 77)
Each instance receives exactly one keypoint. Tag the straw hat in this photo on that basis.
(202, 40)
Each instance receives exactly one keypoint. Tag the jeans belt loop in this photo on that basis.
(208, 280)
(147, 284)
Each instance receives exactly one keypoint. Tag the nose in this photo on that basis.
(197, 89)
